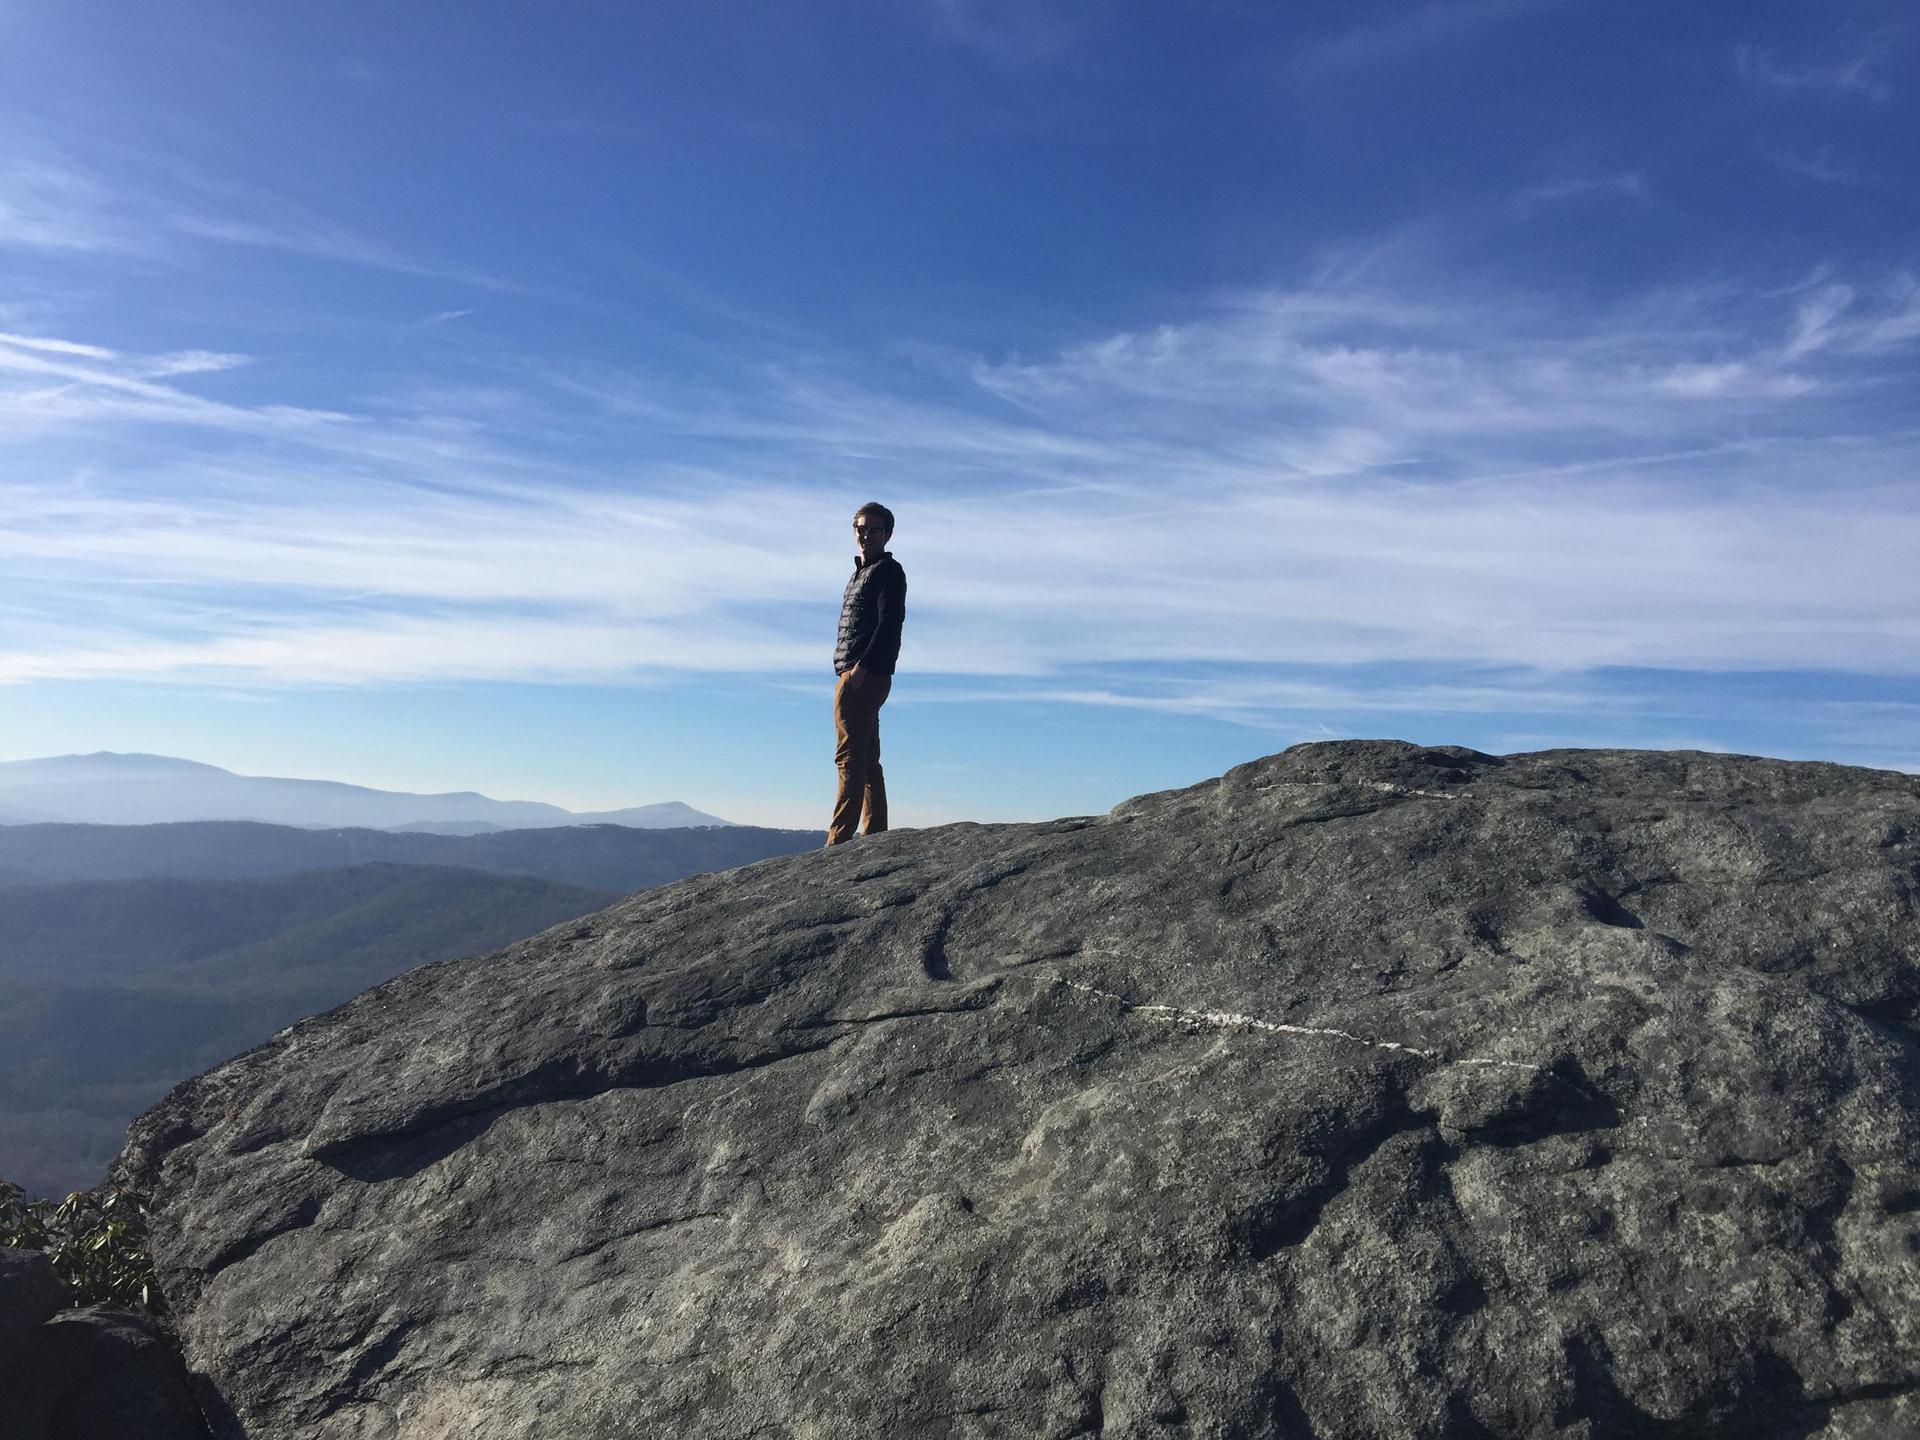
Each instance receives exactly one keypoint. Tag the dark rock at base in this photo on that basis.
(31, 1292)
(121, 1378)
(95, 1373)
(1368, 1090)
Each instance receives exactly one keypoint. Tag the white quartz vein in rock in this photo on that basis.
(1385, 787)
(1228, 1020)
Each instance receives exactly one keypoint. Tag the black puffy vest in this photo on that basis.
(870, 616)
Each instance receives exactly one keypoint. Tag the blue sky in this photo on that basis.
(477, 395)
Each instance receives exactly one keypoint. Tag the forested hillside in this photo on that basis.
(111, 992)
(608, 857)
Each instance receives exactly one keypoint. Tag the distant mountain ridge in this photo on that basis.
(107, 788)
(605, 857)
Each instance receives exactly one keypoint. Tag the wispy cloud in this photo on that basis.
(1391, 384)
(394, 649)
(1816, 324)
(669, 127)
(431, 322)
(1257, 700)
(1409, 31)
(189, 362)
(43, 345)
(1730, 378)
(1012, 33)
(1622, 185)
(1855, 74)
(1820, 165)
(63, 384)
(1326, 477)
(1835, 317)
(322, 240)
(45, 205)
(1896, 324)
(154, 207)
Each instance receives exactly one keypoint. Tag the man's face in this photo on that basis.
(870, 535)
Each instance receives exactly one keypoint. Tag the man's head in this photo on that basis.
(872, 528)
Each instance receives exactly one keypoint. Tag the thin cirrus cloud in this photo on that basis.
(1013, 33)
(323, 241)
(1304, 365)
(153, 367)
(153, 207)
(1820, 165)
(1323, 477)
(1852, 75)
(48, 205)
(1408, 34)
(1623, 185)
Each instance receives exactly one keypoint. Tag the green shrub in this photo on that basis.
(96, 1239)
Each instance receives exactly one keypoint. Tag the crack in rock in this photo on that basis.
(1228, 1020)
(650, 1227)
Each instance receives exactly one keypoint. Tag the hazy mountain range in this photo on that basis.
(111, 789)
(132, 957)
(606, 857)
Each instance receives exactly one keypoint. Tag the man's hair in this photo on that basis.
(878, 512)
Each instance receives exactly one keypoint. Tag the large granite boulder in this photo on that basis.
(1368, 1090)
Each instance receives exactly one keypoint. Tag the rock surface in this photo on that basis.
(1367, 1090)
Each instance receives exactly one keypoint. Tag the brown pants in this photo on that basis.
(862, 798)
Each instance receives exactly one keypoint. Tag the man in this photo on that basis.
(870, 614)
